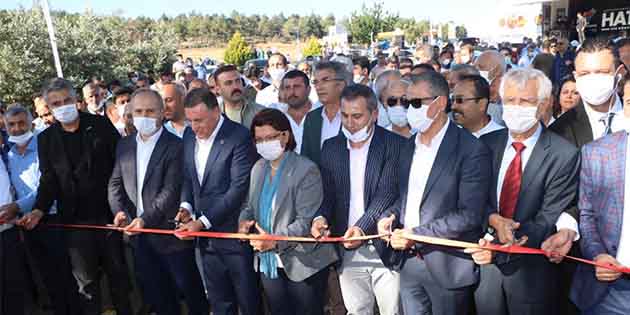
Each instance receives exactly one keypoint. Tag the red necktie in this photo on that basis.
(511, 184)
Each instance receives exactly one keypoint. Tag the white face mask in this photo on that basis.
(276, 74)
(66, 114)
(120, 126)
(418, 117)
(519, 119)
(121, 110)
(21, 139)
(397, 115)
(465, 59)
(146, 126)
(595, 88)
(270, 150)
(96, 107)
(358, 78)
(358, 136)
(485, 75)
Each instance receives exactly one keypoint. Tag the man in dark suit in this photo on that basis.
(76, 159)
(325, 122)
(218, 157)
(534, 179)
(145, 188)
(444, 180)
(360, 182)
(599, 113)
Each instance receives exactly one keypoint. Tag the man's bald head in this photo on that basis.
(492, 61)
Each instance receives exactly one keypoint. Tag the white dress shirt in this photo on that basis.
(5, 192)
(267, 96)
(202, 152)
(421, 165)
(144, 149)
(565, 221)
(330, 129)
(298, 132)
(358, 163)
(488, 128)
(596, 119)
(623, 251)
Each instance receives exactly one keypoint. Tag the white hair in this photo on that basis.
(520, 77)
(382, 81)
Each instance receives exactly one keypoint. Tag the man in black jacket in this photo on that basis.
(77, 156)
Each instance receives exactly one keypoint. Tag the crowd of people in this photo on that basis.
(500, 146)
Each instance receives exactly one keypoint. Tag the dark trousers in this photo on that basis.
(421, 295)
(13, 285)
(231, 282)
(162, 275)
(333, 299)
(90, 253)
(527, 290)
(288, 297)
(49, 256)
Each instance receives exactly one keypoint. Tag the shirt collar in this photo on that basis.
(435, 142)
(30, 147)
(214, 133)
(529, 142)
(489, 127)
(338, 115)
(594, 115)
(152, 139)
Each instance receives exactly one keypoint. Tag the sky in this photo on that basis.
(466, 12)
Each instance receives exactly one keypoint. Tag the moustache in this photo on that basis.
(236, 91)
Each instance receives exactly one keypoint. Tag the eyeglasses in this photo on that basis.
(324, 80)
(393, 101)
(268, 138)
(418, 102)
(461, 99)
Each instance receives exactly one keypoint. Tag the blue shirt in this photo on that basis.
(169, 126)
(24, 173)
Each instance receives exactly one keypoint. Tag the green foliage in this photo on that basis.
(238, 51)
(363, 25)
(461, 32)
(312, 48)
(88, 45)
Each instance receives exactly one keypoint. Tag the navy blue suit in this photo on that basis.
(227, 264)
(452, 207)
(380, 186)
(163, 263)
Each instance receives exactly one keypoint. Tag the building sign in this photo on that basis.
(610, 16)
(615, 20)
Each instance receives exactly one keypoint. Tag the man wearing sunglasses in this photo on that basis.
(470, 105)
(444, 183)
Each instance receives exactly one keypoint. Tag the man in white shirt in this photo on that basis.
(94, 99)
(173, 97)
(534, 180)
(471, 97)
(325, 122)
(296, 88)
(491, 65)
(277, 67)
(444, 183)
(144, 192)
(360, 182)
(218, 157)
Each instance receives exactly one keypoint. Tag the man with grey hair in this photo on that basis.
(93, 96)
(355, 193)
(76, 159)
(491, 65)
(423, 53)
(379, 86)
(325, 122)
(144, 192)
(444, 182)
(534, 180)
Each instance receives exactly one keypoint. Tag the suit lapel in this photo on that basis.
(406, 158)
(129, 170)
(318, 122)
(538, 157)
(499, 150)
(374, 156)
(618, 166)
(156, 155)
(283, 188)
(442, 159)
(582, 127)
(189, 156)
(217, 148)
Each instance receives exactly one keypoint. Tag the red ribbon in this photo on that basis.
(513, 249)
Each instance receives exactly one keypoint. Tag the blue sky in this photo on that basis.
(466, 12)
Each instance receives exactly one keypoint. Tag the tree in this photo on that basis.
(312, 48)
(461, 32)
(238, 51)
(365, 24)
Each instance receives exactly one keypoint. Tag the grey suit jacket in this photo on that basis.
(161, 189)
(297, 200)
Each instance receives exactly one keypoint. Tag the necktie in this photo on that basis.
(511, 184)
(607, 121)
